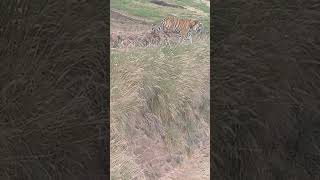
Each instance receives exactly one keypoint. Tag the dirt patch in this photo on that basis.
(121, 17)
(121, 22)
(157, 161)
(162, 3)
(130, 27)
(150, 151)
(197, 167)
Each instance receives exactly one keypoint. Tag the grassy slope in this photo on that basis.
(171, 83)
(155, 13)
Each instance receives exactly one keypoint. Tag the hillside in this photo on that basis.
(159, 96)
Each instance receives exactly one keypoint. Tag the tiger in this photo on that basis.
(183, 27)
(158, 31)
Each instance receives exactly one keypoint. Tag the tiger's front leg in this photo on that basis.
(190, 37)
(190, 40)
(179, 37)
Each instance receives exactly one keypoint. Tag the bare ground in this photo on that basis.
(162, 3)
(120, 22)
(197, 167)
(159, 162)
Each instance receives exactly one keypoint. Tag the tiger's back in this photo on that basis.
(181, 26)
(170, 23)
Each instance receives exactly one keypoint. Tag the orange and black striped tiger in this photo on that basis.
(183, 27)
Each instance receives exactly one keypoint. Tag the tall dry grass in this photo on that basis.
(168, 83)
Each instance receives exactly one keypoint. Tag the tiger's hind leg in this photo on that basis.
(182, 38)
(179, 37)
(165, 38)
(184, 35)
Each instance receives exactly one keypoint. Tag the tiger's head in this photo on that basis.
(196, 26)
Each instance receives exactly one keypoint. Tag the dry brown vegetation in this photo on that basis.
(159, 97)
(146, 39)
(159, 108)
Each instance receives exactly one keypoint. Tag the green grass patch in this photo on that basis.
(155, 13)
(198, 5)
